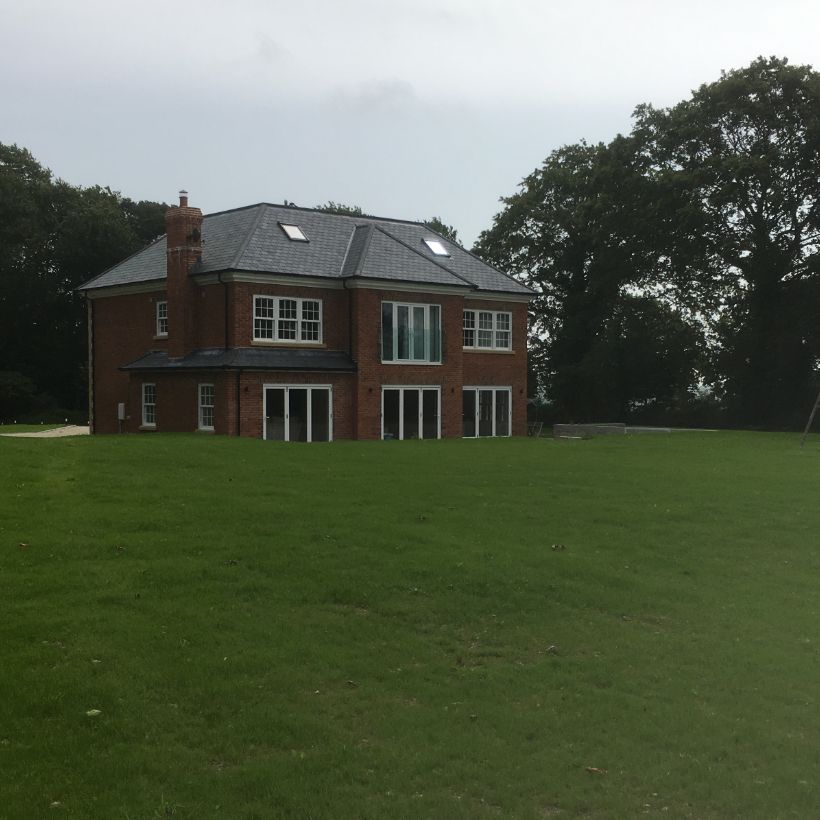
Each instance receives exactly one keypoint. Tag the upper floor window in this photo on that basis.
(411, 332)
(161, 318)
(488, 329)
(287, 319)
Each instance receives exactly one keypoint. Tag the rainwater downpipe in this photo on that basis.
(238, 401)
(349, 319)
(92, 393)
(225, 306)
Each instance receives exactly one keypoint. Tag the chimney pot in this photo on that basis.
(183, 199)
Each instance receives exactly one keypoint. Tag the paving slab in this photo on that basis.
(55, 432)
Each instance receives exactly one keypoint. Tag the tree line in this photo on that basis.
(676, 267)
(53, 238)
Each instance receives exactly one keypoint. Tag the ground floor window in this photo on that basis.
(411, 412)
(298, 412)
(487, 411)
(149, 405)
(206, 407)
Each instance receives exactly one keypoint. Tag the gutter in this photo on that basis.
(238, 402)
(349, 319)
(92, 395)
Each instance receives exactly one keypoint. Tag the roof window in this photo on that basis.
(293, 232)
(436, 247)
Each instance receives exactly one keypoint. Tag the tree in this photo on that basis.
(436, 224)
(331, 207)
(709, 207)
(53, 237)
(738, 165)
(643, 364)
(576, 232)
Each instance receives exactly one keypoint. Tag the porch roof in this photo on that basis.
(247, 358)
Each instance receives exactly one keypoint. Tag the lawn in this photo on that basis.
(200, 627)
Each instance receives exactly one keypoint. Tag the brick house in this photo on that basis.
(289, 323)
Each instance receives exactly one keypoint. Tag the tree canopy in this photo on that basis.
(332, 207)
(438, 225)
(54, 237)
(709, 208)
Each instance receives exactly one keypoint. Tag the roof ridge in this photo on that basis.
(367, 242)
(427, 258)
(347, 253)
(234, 210)
(247, 240)
(372, 217)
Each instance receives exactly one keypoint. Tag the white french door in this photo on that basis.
(487, 411)
(411, 412)
(297, 412)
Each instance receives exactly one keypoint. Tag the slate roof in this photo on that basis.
(339, 246)
(248, 358)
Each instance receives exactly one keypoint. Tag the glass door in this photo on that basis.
(275, 414)
(298, 413)
(411, 412)
(486, 411)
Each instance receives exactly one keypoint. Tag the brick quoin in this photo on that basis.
(208, 314)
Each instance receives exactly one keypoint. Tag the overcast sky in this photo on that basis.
(409, 108)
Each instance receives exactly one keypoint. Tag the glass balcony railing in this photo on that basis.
(411, 345)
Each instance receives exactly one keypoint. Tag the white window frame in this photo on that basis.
(287, 388)
(202, 406)
(149, 408)
(411, 387)
(494, 329)
(299, 320)
(427, 330)
(161, 318)
(495, 389)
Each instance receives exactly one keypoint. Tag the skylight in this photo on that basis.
(293, 232)
(436, 247)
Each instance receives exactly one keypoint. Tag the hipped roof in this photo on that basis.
(339, 247)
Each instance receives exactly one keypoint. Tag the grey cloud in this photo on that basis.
(376, 96)
(270, 51)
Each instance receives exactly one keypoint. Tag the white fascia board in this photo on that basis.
(253, 278)
(495, 296)
(406, 287)
(121, 290)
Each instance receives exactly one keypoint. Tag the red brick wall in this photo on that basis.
(334, 312)
(500, 369)
(123, 331)
(209, 316)
(251, 398)
(177, 407)
(373, 374)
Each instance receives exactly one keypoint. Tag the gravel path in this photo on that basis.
(57, 432)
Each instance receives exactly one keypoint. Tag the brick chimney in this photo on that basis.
(183, 228)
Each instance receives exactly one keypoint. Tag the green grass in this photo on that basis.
(27, 428)
(362, 630)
